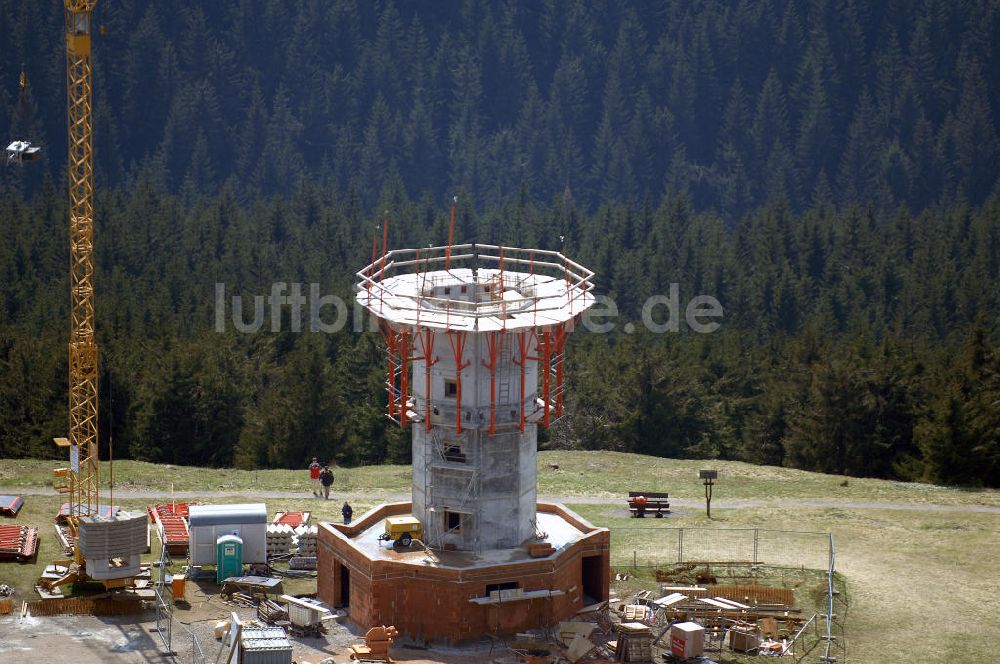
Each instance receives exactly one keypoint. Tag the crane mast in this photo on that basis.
(83, 368)
(106, 548)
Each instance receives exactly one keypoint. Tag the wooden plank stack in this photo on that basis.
(635, 643)
(81, 606)
(756, 595)
(270, 611)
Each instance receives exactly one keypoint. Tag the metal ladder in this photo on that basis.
(503, 384)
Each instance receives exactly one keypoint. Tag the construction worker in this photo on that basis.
(326, 479)
(314, 470)
(347, 511)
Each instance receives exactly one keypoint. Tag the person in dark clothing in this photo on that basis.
(326, 479)
(347, 511)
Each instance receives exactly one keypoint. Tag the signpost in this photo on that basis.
(709, 477)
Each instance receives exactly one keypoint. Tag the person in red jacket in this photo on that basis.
(314, 469)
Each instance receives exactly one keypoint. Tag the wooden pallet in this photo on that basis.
(82, 606)
(756, 595)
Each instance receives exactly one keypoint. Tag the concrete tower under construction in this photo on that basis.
(475, 339)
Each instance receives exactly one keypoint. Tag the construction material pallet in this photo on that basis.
(85, 606)
(65, 536)
(11, 505)
(172, 526)
(18, 542)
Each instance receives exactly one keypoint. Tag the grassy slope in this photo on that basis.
(922, 584)
(590, 474)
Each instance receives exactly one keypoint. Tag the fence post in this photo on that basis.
(756, 538)
(635, 559)
(680, 545)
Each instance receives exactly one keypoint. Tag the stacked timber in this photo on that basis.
(635, 643)
(270, 611)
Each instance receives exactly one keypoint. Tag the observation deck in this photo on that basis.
(473, 288)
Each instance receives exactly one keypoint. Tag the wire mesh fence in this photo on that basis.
(649, 547)
(179, 646)
(811, 552)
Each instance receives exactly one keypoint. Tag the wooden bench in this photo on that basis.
(656, 504)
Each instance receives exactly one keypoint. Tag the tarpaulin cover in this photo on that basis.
(11, 505)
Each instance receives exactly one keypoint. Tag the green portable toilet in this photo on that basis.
(228, 557)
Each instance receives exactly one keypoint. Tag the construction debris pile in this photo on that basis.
(302, 616)
(686, 621)
(6, 599)
(678, 624)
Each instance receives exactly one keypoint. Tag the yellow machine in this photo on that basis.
(402, 530)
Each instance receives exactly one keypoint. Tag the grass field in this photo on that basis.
(921, 586)
(580, 474)
(922, 583)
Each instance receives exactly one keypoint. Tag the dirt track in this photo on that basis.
(575, 500)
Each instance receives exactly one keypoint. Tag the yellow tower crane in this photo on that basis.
(106, 548)
(81, 480)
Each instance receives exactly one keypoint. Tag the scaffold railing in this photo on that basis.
(541, 282)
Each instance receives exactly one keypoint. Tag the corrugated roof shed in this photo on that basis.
(217, 515)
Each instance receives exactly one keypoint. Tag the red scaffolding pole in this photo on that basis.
(391, 338)
(457, 340)
(545, 343)
(494, 344)
(561, 335)
(426, 338)
(523, 344)
(404, 370)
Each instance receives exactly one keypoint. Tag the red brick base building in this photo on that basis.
(455, 595)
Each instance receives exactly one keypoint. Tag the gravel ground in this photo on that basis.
(128, 639)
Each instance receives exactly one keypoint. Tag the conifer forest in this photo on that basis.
(828, 170)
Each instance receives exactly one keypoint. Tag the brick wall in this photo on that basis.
(433, 603)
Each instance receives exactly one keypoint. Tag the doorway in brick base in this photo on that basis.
(345, 585)
(592, 580)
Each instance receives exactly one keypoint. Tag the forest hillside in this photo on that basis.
(825, 169)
